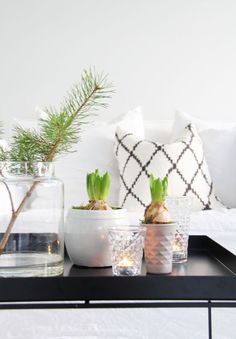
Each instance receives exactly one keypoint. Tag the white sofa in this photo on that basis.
(126, 323)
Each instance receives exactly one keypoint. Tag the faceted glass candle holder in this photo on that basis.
(180, 208)
(126, 249)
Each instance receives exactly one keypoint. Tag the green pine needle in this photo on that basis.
(28, 145)
(61, 129)
(3, 155)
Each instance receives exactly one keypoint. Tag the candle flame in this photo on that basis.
(126, 262)
(177, 247)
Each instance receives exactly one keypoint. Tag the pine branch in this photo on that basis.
(58, 132)
(3, 154)
(28, 146)
(63, 129)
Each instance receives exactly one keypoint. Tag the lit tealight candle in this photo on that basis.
(125, 266)
(177, 247)
(126, 262)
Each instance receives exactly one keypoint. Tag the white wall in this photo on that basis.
(162, 54)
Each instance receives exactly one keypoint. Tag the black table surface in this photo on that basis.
(209, 274)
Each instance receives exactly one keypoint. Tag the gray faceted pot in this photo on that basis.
(158, 247)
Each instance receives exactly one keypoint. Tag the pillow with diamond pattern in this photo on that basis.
(182, 161)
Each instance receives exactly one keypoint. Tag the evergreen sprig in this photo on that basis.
(57, 133)
(61, 129)
(3, 154)
(28, 145)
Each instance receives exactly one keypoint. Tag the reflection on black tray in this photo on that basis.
(206, 258)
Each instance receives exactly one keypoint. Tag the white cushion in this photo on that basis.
(219, 144)
(158, 130)
(183, 162)
(182, 119)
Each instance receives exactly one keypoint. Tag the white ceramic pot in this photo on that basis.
(86, 235)
(158, 248)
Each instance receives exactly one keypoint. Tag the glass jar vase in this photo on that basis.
(31, 220)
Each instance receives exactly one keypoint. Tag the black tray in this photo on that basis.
(209, 274)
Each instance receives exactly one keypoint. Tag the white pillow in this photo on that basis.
(182, 119)
(158, 131)
(183, 162)
(219, 144)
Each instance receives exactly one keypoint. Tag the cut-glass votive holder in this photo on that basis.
(180, 209)
(127, 243)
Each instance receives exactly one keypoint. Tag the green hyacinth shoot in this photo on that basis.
(158, 189)
(98, 186)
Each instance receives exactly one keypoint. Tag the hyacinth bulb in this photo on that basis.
(98, 189)
(157, 212)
